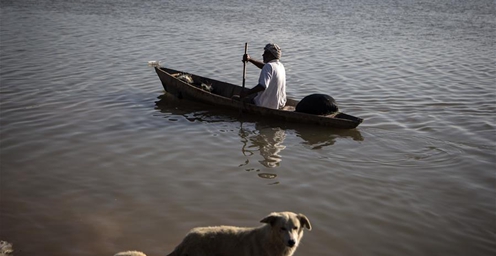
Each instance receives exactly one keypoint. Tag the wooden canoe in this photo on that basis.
(221, 95)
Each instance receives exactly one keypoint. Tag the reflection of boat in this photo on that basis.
(319, 138)
(220, 94)
(314, 136)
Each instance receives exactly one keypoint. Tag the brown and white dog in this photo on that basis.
(279, 236)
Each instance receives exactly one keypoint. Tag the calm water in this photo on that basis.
(91, 166)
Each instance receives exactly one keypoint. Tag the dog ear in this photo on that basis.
(304, 221)
(270, 219)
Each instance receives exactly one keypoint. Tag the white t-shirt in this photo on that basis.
(273, 78)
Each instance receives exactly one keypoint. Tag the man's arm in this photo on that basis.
(257, 63)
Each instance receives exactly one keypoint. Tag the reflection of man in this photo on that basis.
(269, 142)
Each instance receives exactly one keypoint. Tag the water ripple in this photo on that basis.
(85, 150)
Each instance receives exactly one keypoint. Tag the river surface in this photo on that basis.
(90, 165)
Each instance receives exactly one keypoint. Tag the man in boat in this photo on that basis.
(271, 88)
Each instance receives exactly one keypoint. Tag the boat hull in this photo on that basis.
(221, 95)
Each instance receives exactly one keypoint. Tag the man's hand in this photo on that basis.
(246, 58)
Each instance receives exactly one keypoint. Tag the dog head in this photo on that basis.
(287, 227)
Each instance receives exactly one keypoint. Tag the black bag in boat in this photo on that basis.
(317, 104)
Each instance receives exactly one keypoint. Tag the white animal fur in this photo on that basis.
(279, 236)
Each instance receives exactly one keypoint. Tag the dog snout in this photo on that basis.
(291, 243)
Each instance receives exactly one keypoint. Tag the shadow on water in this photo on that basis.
(320, 137)
(257, 134)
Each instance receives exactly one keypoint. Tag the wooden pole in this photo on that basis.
(244, 69)
(244, 80)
